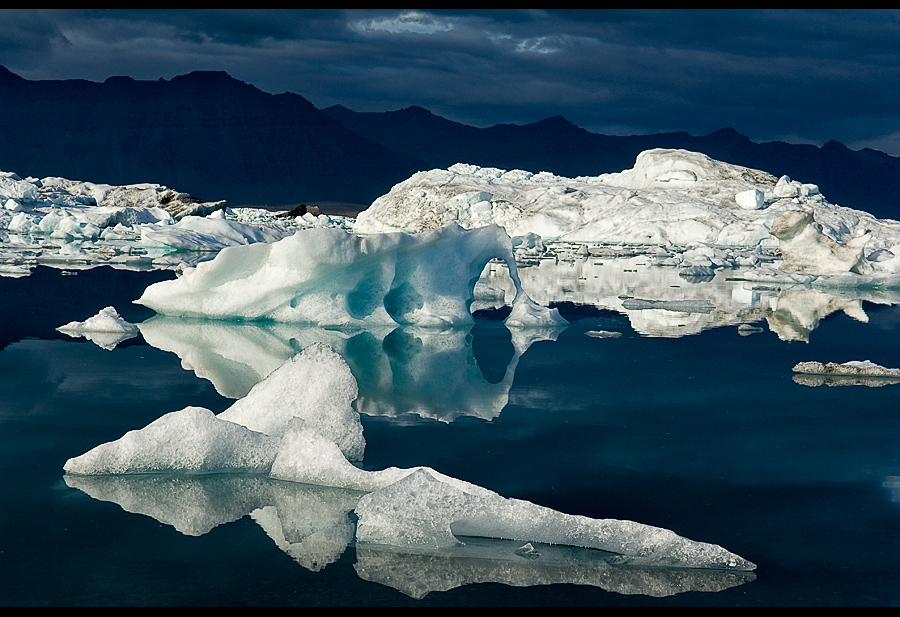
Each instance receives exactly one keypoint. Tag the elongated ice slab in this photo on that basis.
(423, 510)
(855, 368)
(330, 277)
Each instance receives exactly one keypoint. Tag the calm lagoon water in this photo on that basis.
(706, 434)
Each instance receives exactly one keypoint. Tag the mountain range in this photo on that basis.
(216, 137)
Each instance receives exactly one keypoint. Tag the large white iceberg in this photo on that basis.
(329, 277)
(404, 507)
(671, 198)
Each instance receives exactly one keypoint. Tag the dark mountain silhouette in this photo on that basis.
(219, 138)
(863, 179)
(204, 133)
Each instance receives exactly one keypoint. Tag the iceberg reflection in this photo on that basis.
(429, 372)
(660, 301)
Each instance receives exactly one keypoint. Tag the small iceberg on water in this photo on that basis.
(107, 329)
(853, 373)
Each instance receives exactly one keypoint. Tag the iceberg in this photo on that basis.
(670, 198)
(853, 373)
(332, 278)
(67, 223)
(400, 507)
(854, 368)
(107, 329)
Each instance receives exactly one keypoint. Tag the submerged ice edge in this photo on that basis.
(304, 430)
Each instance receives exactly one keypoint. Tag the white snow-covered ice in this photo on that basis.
(107, 328)
(671, 198)
(405, 508)
(705, 214)
(67, 223)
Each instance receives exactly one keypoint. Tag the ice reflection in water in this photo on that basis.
(314, 526)
(428, 372)
(661, 301)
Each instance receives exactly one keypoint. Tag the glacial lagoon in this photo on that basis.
(666, 400)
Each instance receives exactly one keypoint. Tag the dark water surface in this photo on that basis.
(707, 435)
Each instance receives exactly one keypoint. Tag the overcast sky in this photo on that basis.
(799, 75)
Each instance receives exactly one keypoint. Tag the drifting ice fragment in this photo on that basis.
(603, 334)
(107, 329)
(855, 368)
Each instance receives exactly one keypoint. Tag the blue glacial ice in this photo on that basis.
(332, 278)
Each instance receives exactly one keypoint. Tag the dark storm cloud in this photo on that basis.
(799, 75)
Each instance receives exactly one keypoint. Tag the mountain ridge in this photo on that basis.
(217, 137)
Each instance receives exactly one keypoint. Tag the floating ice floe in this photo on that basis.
(330, 277)
(845, 374)
(403, 508)
(107, 329)
(603, 334)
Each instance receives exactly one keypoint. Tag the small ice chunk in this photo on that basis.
(746, 329)
(753, 199)
(107, 329)
(603, 334)
(785, 188)
(107, 320)
(526, 313)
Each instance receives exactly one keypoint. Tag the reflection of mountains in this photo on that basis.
(428, 372)
(660, 302)
(314, 526)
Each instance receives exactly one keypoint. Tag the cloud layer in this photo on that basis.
(799, 75)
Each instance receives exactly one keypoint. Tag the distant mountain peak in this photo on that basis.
(8, 76)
